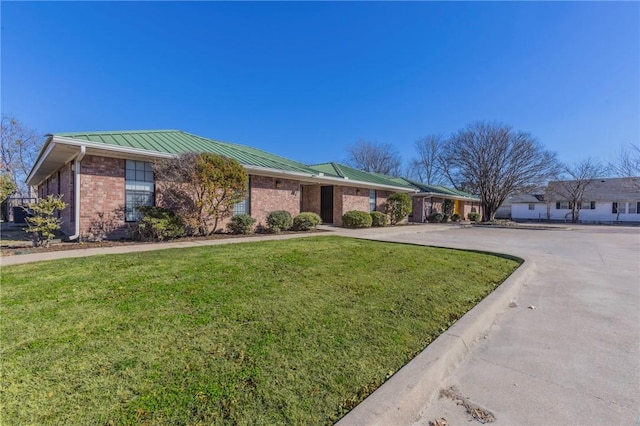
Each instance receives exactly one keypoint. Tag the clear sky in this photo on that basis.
(305, 80)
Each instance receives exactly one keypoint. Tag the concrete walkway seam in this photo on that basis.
(401, 399)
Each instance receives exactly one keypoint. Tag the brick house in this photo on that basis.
(430, 199)
(104, 176)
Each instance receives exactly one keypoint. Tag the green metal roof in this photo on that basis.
(177, 142)
(437, 189)
(340, 170)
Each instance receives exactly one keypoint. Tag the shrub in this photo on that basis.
(42, 222)
(306, 221)
(356, 219)
(157, 224)
(448, 206)
(398, 206)
(279, 220)
(473, 216)
(435, 217)
(241, 224)
(445, 218)
(378, 219)
(456, 217)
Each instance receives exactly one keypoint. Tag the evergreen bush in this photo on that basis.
(378, 219)
(306, 221)
(241, 224)
(157, 224)
(279, 220)
(398, 206)
(356, 219)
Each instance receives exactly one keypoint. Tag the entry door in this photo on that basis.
(326, 204)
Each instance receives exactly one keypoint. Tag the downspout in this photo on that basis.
(76, 189)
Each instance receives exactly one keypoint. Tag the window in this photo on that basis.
(588, 205)
(372, 200)
(139, 188)
(618, 207)
(634, 208)
(563, 205)
(244, 206)
(532, 206)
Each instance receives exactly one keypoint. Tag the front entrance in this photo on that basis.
(326, 204)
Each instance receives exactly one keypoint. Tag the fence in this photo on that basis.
(12, 209)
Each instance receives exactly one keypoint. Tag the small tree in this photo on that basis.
(201, 188)
(581, 175)
(398, 206)
(7, 186)
(42, 221)
(448, 206)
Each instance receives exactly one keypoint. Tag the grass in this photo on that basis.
(297, 331)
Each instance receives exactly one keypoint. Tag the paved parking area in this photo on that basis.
(569, 352)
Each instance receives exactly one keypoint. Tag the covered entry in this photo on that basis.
(326, 204)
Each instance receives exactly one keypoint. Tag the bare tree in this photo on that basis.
(428, 167)
(498, 162)
(579, 177)
(375, 158)
(627, 163)
(19, 146)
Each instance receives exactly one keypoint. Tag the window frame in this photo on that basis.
(136, 188)
(373, 200)
(244, 206)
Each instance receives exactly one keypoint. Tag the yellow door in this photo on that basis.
(456, 207)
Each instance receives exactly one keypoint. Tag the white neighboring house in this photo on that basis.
(605, 200)
(529, 207)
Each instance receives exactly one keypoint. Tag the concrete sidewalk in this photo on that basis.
(566, 353)
(137, 248)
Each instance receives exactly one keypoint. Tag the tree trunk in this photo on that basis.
(488, 212)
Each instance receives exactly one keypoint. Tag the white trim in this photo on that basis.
(452, 197)
(115, 148)
(40, 161)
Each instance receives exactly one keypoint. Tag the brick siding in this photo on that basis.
(265, 197)
(311, 198)
(102, 189)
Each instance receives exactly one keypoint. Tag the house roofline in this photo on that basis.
(307, 177)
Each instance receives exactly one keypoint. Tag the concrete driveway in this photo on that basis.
(569, 352)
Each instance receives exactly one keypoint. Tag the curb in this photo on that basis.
(400, 399)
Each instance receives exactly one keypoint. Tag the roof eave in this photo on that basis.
(453, 197)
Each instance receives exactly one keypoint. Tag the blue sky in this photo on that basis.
(305, 80)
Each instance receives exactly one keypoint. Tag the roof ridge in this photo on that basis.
(106, 132)
(336, 167)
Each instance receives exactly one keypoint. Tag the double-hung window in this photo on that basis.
(618, 207)
(564, 205)
(588, 205)
(244, 206)
(372, 200)
(139, 188)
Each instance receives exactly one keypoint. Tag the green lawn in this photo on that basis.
(296, 331)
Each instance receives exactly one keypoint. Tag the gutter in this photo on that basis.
(76, 189)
